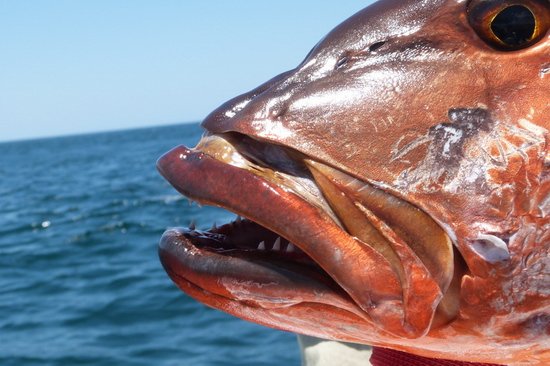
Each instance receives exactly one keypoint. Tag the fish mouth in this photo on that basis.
(311, 237)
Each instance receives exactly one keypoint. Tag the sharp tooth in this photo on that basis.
(214, 226)
(290, 248)
(192, 225)
(261, 246)
(277, 244)
(238, 220)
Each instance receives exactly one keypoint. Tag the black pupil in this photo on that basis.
(514, 25)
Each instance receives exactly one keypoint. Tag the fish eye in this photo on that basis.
(509, 25)
(514, 26)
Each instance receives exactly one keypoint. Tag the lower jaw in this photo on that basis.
(301, 312)
(251, 278)
(322, 321)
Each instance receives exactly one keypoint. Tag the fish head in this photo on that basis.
(395, 185)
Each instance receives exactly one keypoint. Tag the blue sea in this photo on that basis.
(80, 280)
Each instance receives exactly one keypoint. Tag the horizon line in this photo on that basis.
(95, 132)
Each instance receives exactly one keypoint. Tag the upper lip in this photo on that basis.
(216, 173)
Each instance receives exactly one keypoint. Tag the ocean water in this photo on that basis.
(80, 280)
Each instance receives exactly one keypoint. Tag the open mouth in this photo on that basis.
(311, 234)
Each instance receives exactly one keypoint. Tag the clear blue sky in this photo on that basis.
(80, 66)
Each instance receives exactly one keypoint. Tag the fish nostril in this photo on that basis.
(376, 46)
(348, 57)
(342, 62)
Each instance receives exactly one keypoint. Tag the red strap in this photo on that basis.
(389, 357)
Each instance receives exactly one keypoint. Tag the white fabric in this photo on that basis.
(320, 352)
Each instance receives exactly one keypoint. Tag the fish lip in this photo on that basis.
(201, 178)
(226, 277)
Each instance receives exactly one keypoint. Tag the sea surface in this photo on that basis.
(80, 279)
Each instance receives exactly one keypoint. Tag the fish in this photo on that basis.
(393, 189)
